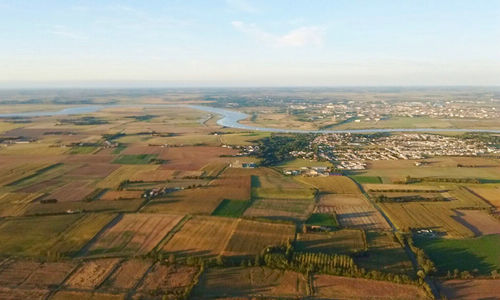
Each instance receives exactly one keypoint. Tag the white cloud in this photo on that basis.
(299, 37)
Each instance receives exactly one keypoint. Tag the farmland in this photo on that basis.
(133, 234)
(202, 236)
(464, 254)
(152, 202)
(349, 288)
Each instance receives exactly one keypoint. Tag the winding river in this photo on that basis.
(232, 118)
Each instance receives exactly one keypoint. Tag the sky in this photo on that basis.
(249, 43)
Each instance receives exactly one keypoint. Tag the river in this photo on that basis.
(232, 118)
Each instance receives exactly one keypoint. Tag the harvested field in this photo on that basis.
(134, 234)
(153, 175)
(248, 282)
(342, 199)
(15, 170)
(34, 275)
(98, 159)
(344, 241)
(334, 287)
(15, 204)
(80, 233)
(250, 237)
(171, 279)
(193, 158)
(16, 294)
(190, 201)
(127, 275)
(91, 273)
(436, 216)
(491, 194)
(114, 179)
(471, 289)
(201, 236)
(478, 221)
(42, 186)
(403, 187)
(463, 197)
(98, 170)
(73, 295)
(72, 191)
(121, 195)
(332, 184)
(281, 209)
(92, 206)
(356, 216)
(213, 169)
(270, 184)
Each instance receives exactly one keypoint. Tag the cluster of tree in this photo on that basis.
(276, 148)
(113, 136)
(411, 198)
(84, 121)
(426, 265)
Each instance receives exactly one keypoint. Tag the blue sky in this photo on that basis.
(249, 43)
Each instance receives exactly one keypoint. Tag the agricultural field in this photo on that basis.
(127, 275)
(385, 254)
(125, 172)
(34, 275)
(251, 237)
(121, 195)
(281, 209)
(345, 241)
(133, 234)
(436, 216)
(470, 289)
(248, 282)
(332, 184)
(333, 287)
(171, 280)
(479, 253)
(364, 217)
(32, 236)
(202, 236)
(15, 204)
(478, 221)
(193, 158)
(91, 274)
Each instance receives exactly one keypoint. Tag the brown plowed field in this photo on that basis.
(471, 289)
(73, 191)
(192, 158)
(94, 170)
(478, 221)
(334, 287)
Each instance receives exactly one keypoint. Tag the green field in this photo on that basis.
(322, 220)
(230, 208)
(366, 179)
(83, 150)
(135, 159)
(480, 253)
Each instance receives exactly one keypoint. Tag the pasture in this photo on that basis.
(479, 253)
(281, 209)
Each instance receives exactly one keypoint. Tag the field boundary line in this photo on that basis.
(139, 282)
(111, 272)
(87, 246)
(172, 232)
(63, 282)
